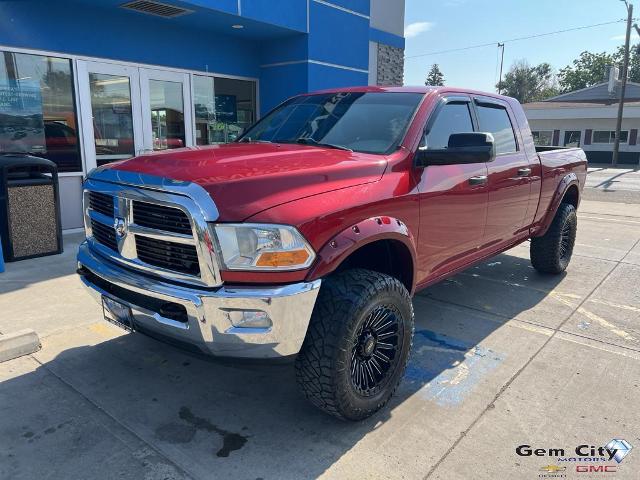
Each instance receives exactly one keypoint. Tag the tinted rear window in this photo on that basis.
(495, 119)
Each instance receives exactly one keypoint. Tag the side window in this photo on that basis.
(453, 118)
(495, 119)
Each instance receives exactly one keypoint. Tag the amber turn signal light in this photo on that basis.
(282, 259)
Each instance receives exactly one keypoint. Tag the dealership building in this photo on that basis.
(88, 82)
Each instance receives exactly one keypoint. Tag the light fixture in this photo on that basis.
(237, 26)
(249, 319)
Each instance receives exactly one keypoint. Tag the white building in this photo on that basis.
(587, 118)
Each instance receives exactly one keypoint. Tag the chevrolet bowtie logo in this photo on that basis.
(553, 469)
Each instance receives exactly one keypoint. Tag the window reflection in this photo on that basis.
(167, 114)
(223, 107)
(495, 119)
(37, 108)
(112, 117)
(204, 107)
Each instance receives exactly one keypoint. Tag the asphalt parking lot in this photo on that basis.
(502, 357)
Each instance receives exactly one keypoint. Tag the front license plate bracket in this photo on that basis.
(117, 313)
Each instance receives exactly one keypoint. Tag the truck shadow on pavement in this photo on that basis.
(208, 418)
(21, 274)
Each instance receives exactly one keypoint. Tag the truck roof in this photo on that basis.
(410, 89)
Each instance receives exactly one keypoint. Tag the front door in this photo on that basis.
(110, 111)
(509, 173)
(453, 198)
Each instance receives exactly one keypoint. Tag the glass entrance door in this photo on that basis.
(129, 110)
(110, 111)
(166, 109)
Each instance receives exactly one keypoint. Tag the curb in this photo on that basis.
(17, 344)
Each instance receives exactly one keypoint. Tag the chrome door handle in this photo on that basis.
(478, 180)
(524, 172)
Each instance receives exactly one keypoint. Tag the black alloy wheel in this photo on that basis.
(375, 350)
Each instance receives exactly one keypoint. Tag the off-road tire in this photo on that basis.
(345, 306)
(551, 252)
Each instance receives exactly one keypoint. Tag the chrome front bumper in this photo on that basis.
(208, 325)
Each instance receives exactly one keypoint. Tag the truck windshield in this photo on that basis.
(370, 122)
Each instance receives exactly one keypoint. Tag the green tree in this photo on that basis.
(634, 62)
(435, 78)
(590, 68)
(529, 83)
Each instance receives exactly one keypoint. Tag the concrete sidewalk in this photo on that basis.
(502, 357)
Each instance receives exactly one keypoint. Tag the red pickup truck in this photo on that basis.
(309, 234)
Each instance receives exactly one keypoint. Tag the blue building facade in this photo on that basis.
(86, 82)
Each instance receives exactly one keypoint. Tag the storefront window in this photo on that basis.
(572, 138)
(542, 138)
(224, 107)
(37, 109)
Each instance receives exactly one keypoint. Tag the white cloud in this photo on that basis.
(415, 29)
(621, 38)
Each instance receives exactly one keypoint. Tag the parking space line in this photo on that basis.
(621, 262)
(615, 305)
(556, 330)
(610, 219)
(587, 342)
(527, 324)
(606, 324)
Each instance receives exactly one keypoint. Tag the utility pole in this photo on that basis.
(623, 86)
(501, 45)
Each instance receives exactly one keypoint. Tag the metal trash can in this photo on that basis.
(29, 207)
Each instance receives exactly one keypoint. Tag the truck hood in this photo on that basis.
(246, 178)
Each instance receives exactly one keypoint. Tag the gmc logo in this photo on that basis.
(596, 468)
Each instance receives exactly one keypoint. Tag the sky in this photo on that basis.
(436, 25)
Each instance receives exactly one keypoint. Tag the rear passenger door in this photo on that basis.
(509, 173)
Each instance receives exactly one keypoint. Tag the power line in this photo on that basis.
(492, 44)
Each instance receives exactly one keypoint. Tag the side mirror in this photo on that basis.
(462, 148)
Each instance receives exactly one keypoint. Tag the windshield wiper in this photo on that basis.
(249, 139)
(312, 141)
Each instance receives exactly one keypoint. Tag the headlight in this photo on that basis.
(246, 246)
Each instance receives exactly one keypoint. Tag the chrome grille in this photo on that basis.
(104, 234)
(102, 203)
(160, 217)
(155, 225)
(168, 255)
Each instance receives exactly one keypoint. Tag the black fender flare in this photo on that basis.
(367, 231)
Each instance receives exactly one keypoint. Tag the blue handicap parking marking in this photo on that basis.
(1, 258)
(444, 369)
